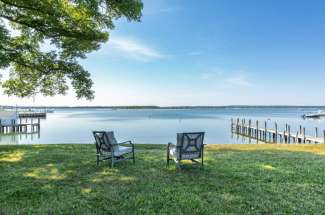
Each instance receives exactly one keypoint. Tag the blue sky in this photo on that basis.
(217, 52)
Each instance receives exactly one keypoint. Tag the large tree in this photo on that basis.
(73, 27)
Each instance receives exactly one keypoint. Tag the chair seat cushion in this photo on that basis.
(185, 156)
(121, 150)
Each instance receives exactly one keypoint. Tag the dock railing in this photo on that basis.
(262, 132)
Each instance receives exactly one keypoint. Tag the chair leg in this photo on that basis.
(112, 162)
(167, 157)
(133, 156)
(202, 156)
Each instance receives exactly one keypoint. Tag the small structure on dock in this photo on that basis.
(261, 132)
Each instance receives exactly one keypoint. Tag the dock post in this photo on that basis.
(15, 122)
(38, 125)
(257, 135)
(232, 125)
(276, 132)
(265, 131)
(324, 135)
(11, 128)
(300, 129)
(316, 132)
(249, 128)
(304, 135)
(296, 140)
(237, 126)
(289, 133)
(243, 126)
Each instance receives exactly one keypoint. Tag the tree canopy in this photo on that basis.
(74, 27)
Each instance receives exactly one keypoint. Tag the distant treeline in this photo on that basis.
(160, 107)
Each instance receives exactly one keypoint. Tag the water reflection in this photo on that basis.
(14, 138)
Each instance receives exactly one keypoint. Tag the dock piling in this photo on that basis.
(265, 131)
(289, 133)
(249, 128)
(300, 129)
(269, 135)
(304, 135)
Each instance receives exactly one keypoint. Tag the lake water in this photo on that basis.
(158, 126)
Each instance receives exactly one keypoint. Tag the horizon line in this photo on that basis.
(158, 106)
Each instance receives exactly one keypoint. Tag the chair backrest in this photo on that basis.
(190, 143)
(104, 141)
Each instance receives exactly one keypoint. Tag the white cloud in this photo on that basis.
(134, 49)
(227, 78)
(238, 80)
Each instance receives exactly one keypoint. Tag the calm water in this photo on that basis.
(157, 125)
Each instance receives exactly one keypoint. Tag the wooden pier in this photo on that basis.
(261, 132)
(32, 115)
(14, 127)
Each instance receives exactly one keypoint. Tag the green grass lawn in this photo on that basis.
(237, 179)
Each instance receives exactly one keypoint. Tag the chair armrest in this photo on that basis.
(125, 142)
(130, 142)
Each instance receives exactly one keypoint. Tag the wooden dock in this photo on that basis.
(32, 115)
(14, 127)
(261, 132)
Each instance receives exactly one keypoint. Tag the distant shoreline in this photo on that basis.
(160, 107)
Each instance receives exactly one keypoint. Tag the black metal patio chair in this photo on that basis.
(108, 148)
(189, 147)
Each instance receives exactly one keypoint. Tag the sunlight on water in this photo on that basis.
(158, 125)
